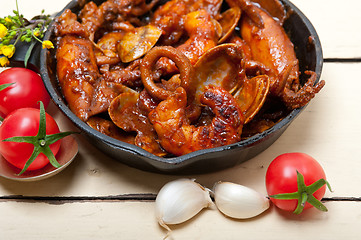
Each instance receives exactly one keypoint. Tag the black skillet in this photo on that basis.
(308, 52)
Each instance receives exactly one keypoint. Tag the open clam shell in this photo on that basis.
(126, 114)
(219, 66)
(108, 128)
(138, 42)
(124, 100)
(228, 22)
(251, 95)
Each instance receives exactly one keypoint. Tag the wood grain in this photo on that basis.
(99, 198)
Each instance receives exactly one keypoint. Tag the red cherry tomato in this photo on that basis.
(281, 177)
(25, 122)
(28, 89)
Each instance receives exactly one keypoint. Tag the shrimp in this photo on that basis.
(177, 136)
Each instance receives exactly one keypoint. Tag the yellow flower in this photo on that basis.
(47, 44)
(8, 20)
(37, 33)
(4, 61)
(8, 50)
(3, 30)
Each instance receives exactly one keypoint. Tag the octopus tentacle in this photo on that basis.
(304, 95)
(146, 67)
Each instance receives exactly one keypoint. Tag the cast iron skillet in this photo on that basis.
(309, 53)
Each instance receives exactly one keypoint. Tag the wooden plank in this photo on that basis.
(328, 129)
(136, 220)
(336, 24)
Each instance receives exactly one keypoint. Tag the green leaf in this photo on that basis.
(316, 203)
(329, 186)
(47, 151)
(316, 185)
(33, 156)
(301, 203)
(28, 53)
(286, 196)
(42, 122)
(301, 182)
(3, 86)
(50, 139)
(19, 139)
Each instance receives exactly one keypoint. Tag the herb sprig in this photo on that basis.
(15, 28)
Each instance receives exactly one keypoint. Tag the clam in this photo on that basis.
(251, 95)
(228, 22)
(108, 128)
(136, 43)
(125, 112)
(107, 44)
(218, 28)
(221, 66)
(119, 106)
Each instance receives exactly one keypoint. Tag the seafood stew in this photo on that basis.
(205, 88)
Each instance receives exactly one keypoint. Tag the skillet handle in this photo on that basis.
(17, 60)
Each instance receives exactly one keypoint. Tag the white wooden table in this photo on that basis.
(99, 198)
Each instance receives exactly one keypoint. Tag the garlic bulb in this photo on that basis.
(180, 200)
(238, 201)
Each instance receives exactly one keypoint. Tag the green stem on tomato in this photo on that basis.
(304, 194)
(3, 86)
(41, 142)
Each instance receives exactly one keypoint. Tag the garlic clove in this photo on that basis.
(180, 200)
(238, 201)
